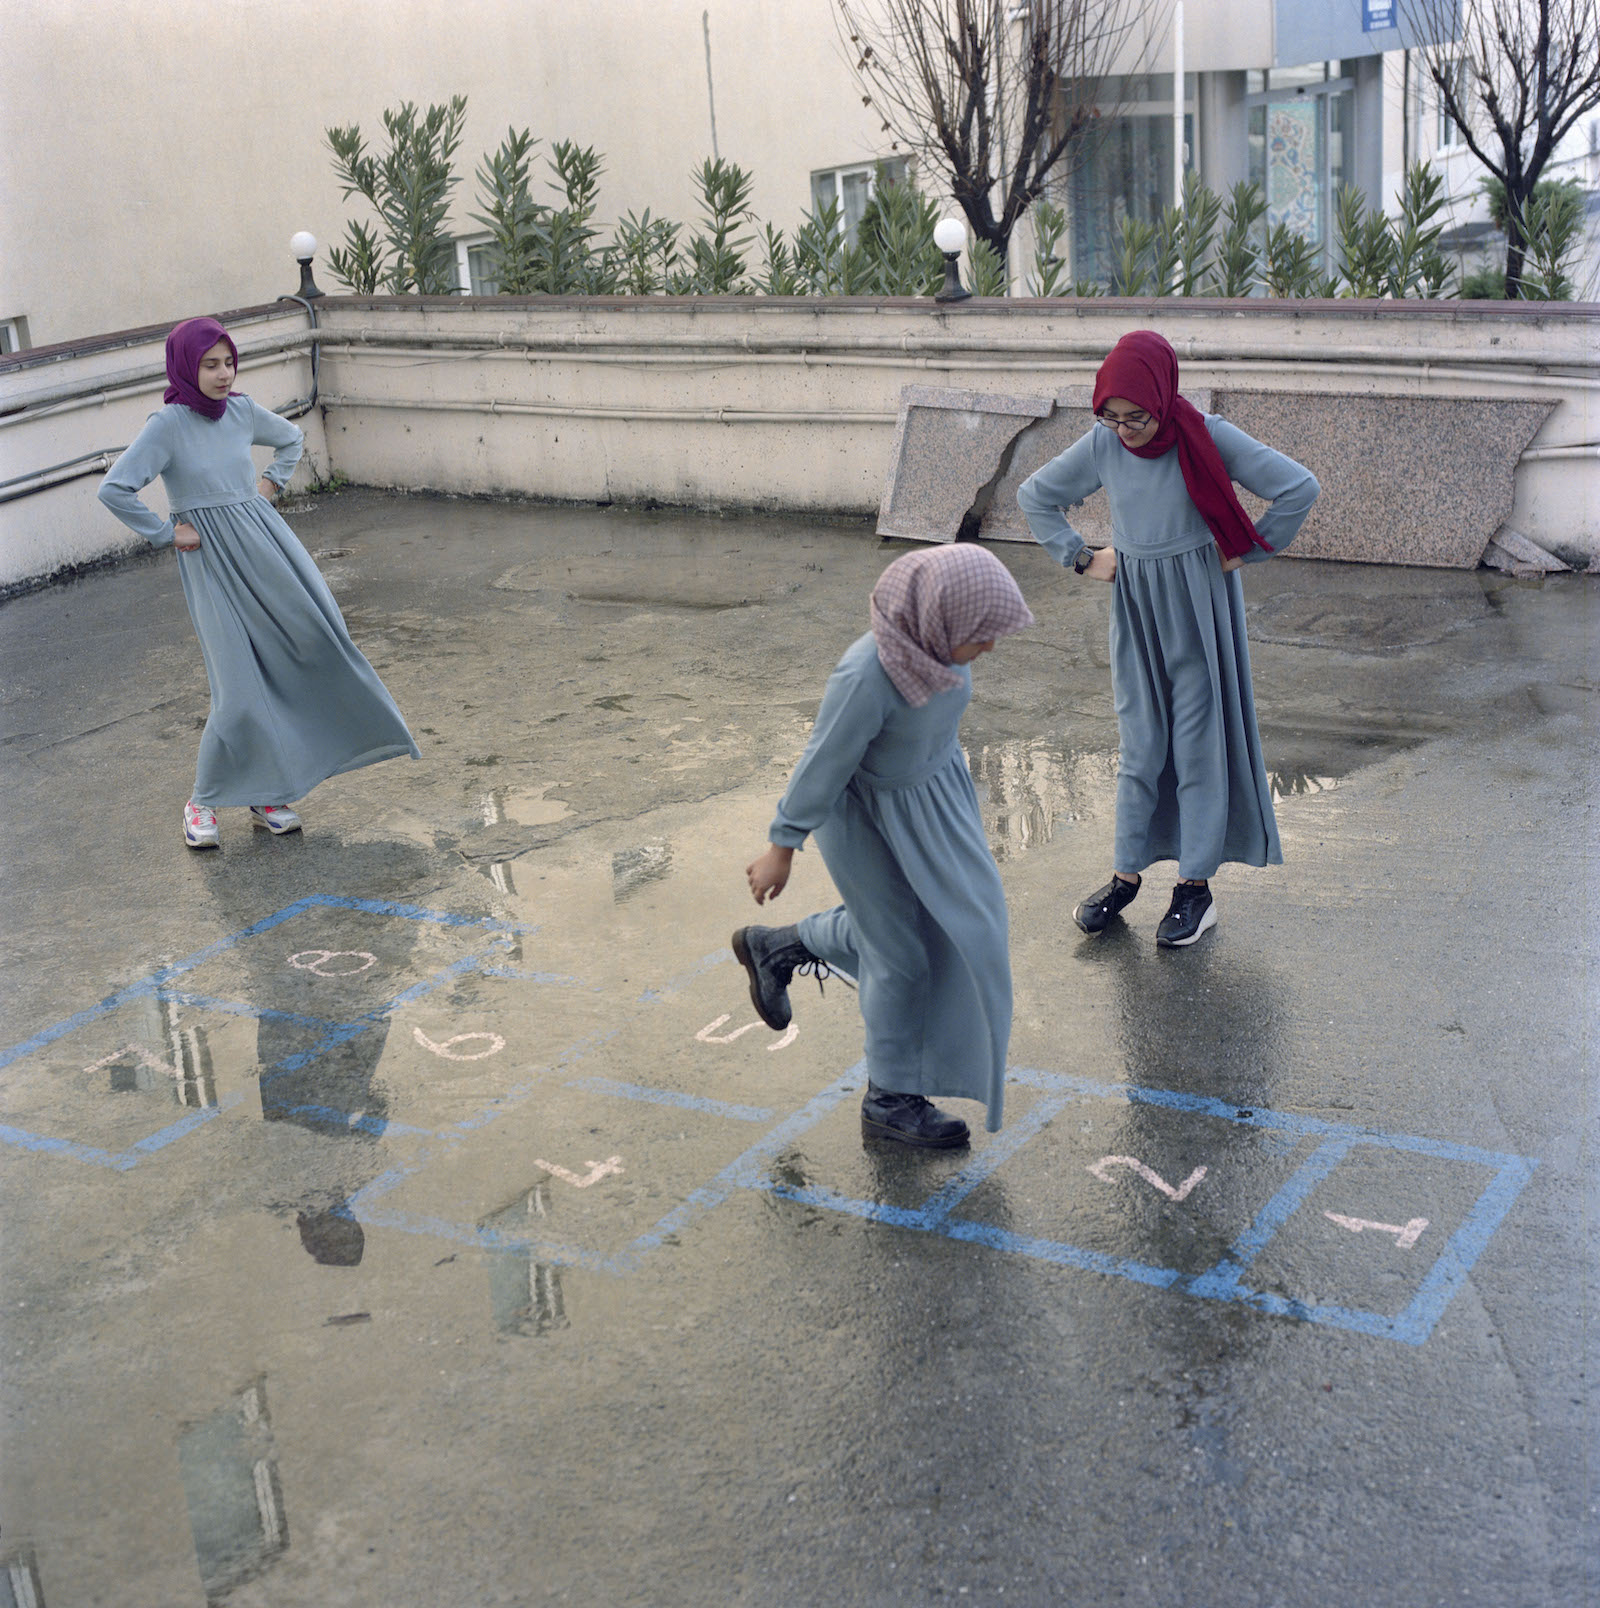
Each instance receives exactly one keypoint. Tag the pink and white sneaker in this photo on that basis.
(200, 826)
(276, 818)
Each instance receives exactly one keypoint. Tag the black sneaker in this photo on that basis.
(1095, 913)
(1190, 914)
(771, 956)
(910, 1119)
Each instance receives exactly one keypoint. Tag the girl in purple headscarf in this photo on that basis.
(292, 699)
(883, 787)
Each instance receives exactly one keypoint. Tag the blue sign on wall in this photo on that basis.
(1376, 14)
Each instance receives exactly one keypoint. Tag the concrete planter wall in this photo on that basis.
(795, 404)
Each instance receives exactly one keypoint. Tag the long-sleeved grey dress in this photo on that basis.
(293, 701)
(1191, 784)
(884, 788)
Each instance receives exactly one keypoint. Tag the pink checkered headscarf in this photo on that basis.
(936, 600)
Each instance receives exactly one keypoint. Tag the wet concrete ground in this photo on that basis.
(408, 1213)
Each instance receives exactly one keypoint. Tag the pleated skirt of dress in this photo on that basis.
(924, 931)
(293, 700)
(1191, 784)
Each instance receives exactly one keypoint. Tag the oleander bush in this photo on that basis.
(1204, 245)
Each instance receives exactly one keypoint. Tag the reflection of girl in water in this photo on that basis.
(1191, 784)
(884, 788)
(292, 699)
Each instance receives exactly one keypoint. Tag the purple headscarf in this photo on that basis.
(186, 345)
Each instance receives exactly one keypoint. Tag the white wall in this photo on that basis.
(155, 158)
(730, 402)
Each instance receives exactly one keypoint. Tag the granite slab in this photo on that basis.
(1422, 480)
(948, 446)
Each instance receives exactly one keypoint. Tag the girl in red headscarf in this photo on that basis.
(1191, 784)
(293, 701)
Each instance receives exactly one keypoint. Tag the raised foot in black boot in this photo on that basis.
(772, 955)
(909, 1119)
(1095, 913)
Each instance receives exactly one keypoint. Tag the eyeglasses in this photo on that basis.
(1136, 425)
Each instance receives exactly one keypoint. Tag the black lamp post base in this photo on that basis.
(952, 290)
(308, 286)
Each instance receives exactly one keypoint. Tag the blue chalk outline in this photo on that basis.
(332, 1033)
(1224, 1282)
(751, 1169)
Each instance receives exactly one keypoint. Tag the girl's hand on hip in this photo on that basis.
(768, 873)
(267, 488)
(185, 537)
(1103, 566)
(1229, 563)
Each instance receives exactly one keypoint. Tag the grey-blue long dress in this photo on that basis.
(884, 788)
(1191, 783)
(293, 701)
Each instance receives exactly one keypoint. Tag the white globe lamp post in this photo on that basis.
(950, 236)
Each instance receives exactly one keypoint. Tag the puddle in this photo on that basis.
(1029, 789)
(522, 806)
(229, 1468)
(1303, 762)
(633, 869)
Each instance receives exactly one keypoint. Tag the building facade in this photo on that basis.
(156, 168)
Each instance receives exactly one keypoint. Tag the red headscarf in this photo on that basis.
(1143, 369)
(187, 343)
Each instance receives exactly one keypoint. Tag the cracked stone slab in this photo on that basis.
(1048, 438)
(948, 447)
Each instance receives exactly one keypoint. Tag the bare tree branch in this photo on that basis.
(1001, 97)
(1514, 76)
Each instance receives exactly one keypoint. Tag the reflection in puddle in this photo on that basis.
(1298, 784)
(182, 1064)
(332, 1238)
(229, 1469)
(19, 1582)
(1027, 788)
(524, 806)
(632, 869)
(524, 1295)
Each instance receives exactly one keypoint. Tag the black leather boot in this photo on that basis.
(1095, 913)
(772, 955)
(910, 1119)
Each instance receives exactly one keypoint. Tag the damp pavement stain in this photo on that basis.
(415, 1210)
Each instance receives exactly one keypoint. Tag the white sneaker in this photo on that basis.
(200, 826)
(276, 818)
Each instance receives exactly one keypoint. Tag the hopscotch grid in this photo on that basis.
(334, 1034)
(751, 1169)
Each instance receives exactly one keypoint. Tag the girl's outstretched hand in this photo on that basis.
(768, 873)
(1103, 566)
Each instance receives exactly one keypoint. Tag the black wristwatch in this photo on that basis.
(1083, 561)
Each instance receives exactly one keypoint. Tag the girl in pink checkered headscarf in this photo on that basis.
(884, 788)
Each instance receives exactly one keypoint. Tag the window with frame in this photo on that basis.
(1447, 130)
(1301, 133)
(1129, 171)
(13, 336)
(476, 267)
(851, 188)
